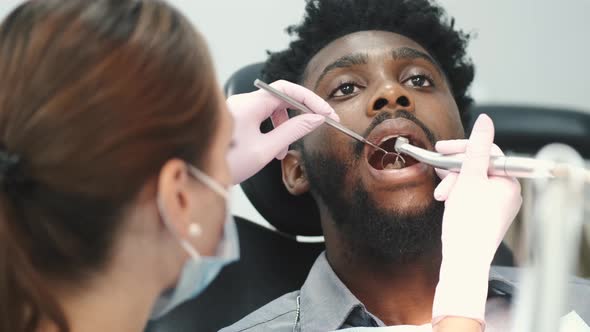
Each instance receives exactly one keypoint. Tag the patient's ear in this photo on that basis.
(294, 176)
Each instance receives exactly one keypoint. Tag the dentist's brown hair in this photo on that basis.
(95, 96)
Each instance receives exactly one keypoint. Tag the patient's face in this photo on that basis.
(382, 85)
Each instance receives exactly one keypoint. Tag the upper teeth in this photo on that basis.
(387, 138)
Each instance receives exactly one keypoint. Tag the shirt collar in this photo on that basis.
(326, 302)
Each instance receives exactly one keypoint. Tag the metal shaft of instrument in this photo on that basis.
(303, 108)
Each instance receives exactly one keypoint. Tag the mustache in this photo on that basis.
(383, 116)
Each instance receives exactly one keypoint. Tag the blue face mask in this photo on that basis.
(199, 271)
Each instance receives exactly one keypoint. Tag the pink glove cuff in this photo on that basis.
(461, 292)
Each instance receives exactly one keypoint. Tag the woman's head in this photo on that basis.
(104, 102)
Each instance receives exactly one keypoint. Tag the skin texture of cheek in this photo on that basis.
(353, 113)
(325, 144)
(447, 132)
(442, 117)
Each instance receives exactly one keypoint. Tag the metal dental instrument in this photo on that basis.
(499, 166)
(261, 85)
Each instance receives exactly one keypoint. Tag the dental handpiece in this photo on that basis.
(519, 167)
(299, 106)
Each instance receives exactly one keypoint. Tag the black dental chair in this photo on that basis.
(274, 263)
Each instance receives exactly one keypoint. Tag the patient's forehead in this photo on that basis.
(372, 42)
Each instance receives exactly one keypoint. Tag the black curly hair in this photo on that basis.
(420, 20)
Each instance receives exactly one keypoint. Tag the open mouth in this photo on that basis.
(380, 160)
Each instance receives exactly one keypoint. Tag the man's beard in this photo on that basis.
(373, 233)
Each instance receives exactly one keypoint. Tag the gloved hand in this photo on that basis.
(253, 149)
(478, 211)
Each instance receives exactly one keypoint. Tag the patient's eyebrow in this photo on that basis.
(346, 61)
(408, 53)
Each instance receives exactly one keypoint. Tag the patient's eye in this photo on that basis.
(344, 89)
(419, 81)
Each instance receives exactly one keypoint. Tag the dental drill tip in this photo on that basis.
(399, 143)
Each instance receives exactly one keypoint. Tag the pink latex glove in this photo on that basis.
(253, 149)
(478, 211)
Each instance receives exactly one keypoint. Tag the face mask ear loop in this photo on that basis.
(183, 243)
(209, 182)
(190, 250)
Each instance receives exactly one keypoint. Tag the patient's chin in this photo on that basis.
(384, 233)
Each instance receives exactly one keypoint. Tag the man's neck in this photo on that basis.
(396, 293)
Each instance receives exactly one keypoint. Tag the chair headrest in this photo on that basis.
(526, 129)
(521, 129)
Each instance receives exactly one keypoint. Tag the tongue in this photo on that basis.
(397, 164)
(392, 161)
